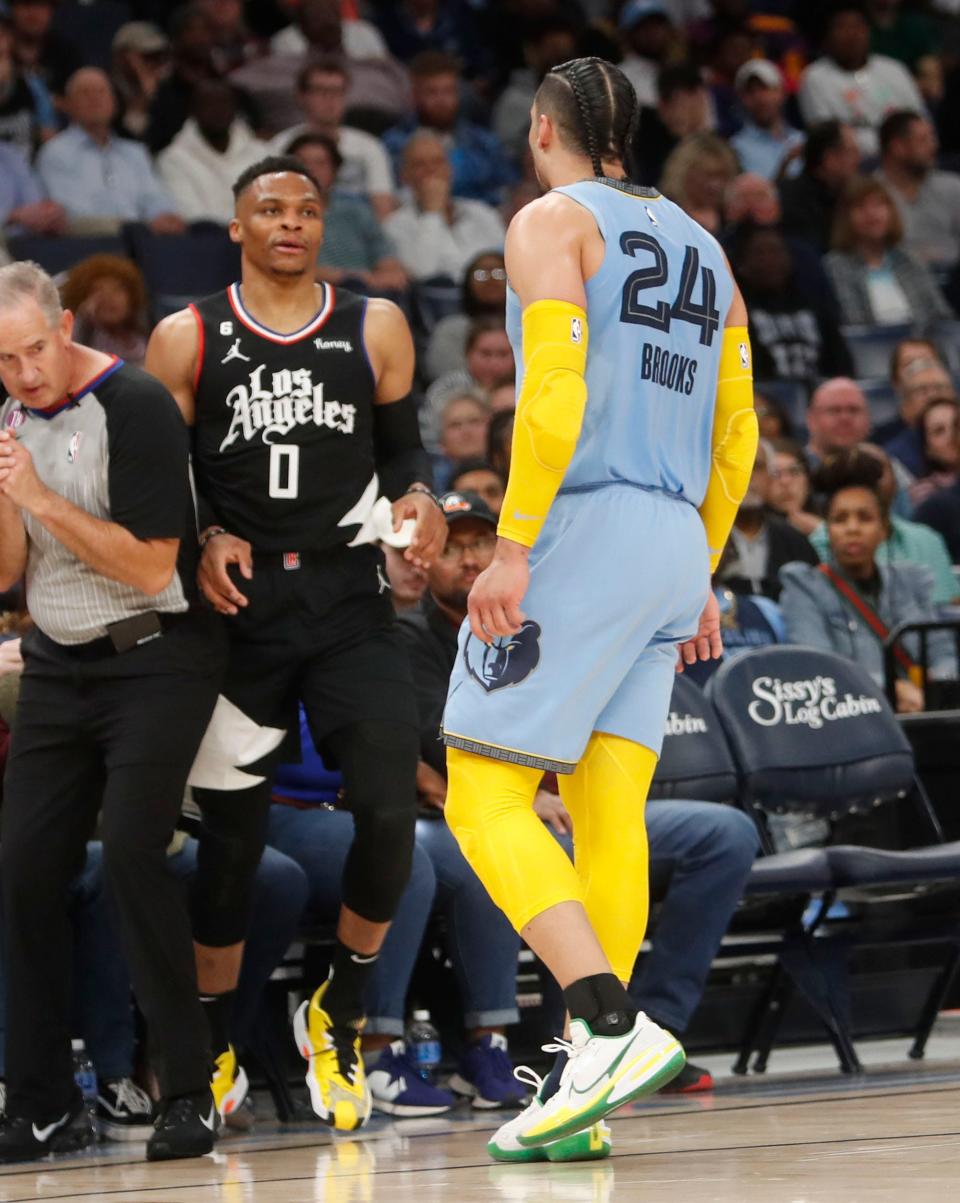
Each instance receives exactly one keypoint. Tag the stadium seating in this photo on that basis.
(872, 348)
(58, 255)
(813, 735)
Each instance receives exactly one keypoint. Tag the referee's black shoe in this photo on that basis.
(26, 1140)
(185, 1127)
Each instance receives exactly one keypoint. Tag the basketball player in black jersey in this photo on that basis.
(299, 399)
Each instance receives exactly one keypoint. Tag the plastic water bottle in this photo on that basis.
(423, 1044)
(85, 1076)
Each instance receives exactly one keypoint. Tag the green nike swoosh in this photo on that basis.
(608, 1072)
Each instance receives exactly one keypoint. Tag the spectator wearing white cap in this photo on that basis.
(650, 39)
(766, 141)
(139, 61)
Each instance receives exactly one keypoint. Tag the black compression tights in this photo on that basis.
(379, 764)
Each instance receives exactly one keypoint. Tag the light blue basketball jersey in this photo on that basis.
(656, 311)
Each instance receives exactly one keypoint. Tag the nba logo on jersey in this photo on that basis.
(576, 329)
(291, 560)
(745, 357)
(73, 448)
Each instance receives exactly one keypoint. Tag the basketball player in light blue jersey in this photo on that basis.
(635, 429)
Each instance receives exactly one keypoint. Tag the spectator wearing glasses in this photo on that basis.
(838, 418)
(789, 492)
(484, 291)
(876, 281)
(847, 604)
(322, 96)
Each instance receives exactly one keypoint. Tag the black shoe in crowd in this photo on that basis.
(692, 1079)
(25, 1140)
(185, 1127)
(124, 1111)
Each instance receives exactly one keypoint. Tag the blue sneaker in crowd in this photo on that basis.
(486, 1075)
(398, 1089)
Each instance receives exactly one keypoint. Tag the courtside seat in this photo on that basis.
(805, 871)
(696, 763)
(854, 867)
(811, 732)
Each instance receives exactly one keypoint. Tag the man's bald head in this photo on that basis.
(838, 416)
(424, 156)
(89, 99)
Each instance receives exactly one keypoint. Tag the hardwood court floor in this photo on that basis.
(893, 1134)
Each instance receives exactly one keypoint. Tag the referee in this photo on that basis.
(121, 675)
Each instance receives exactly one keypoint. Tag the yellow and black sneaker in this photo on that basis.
(335, 1076)
(229, 1083)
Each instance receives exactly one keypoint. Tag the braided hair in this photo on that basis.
(595, 107)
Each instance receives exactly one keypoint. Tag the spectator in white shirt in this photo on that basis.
(928, 200)
(213, 148)
(852, 85)
(322, 95)
(102, 181)
(360, 38)
(435, 233)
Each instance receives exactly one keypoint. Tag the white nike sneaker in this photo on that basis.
(591, 1144)
(603, 1073)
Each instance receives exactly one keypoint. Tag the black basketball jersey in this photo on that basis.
(283, 435)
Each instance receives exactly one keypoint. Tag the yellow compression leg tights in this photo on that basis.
(490, 812)
(605, 797)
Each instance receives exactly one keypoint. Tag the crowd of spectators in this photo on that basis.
(820, 143)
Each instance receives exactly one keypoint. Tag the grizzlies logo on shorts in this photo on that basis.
(507, 661)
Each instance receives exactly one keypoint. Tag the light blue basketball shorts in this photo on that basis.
(618, 577)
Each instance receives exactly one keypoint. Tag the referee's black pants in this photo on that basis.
(117, 732)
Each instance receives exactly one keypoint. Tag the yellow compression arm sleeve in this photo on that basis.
(549, 415)
(735, 435)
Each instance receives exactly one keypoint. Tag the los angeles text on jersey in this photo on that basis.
(291, 400)
(668, 368)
